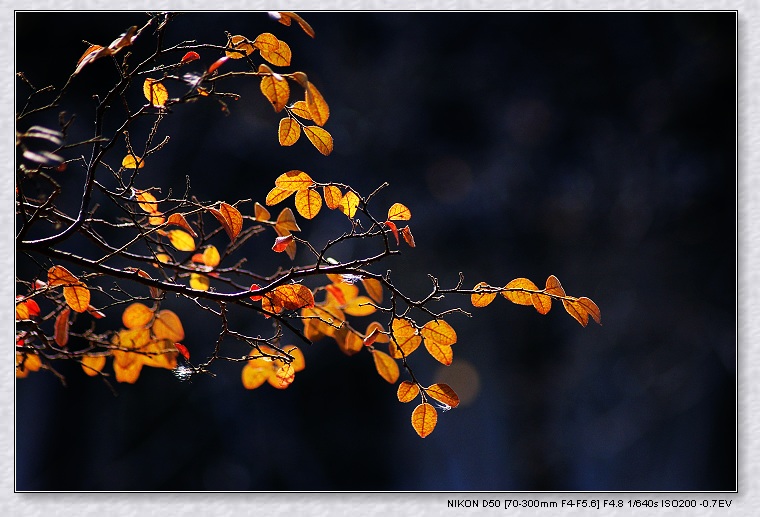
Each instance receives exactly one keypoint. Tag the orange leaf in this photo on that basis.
(277, 194)
(284, 18)
(190, 56)
(424, 418)
(333, 196)
(181, 240)
(394, 229)
(444, 354)
(404, 338)
(554, 287)
(386, 366)
(61, 331)
(128, 374)
(260, 213)
(77, 296)
(59, 275)
(406, 233)
(576, 310)
(279, 56)
(132, 162)
(281, 243)
(587, 304)
(348, 342)
(301, 109)
(167, 325)
(239, 43)
(92, 53)
(274, 87)
(178, 219)
(374, 289)
(308, 203)
(283, 377)
(407, 391)
(286, 222)
(541, 302)
(439, 332)
(349, 204)
(183, 351)
(515, 294)
(299, 362)
(294, 180)
(320, 138)
(266, 42)
(230, 218)
(146, 201)
(256, 372)
(216, 64)
(443, 393)
(481, 299)
(155, 92)
(359, 306)
(293, 296)
(136, 315)
(288, 132)
(318, 108)
(379, 332)
(399, 212)
(93, 364)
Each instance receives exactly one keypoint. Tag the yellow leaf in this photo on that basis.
(277, 195)
(333, 196)
(443, 393)
(160, 353)
(348, 342)
(274, 87)
(444, 354)
(294, 180)
(163, 258)
(359, 306)
(211, 256)
(439, 332)
(230, 218)
(260, 213)
(77, 296)
(239, 43)
(279, 56)
(286, 222)
(301, 109)
(156, 220)
(155, 92)
(299, 362)
(514, 291)
(61, 330)
(404, 338)
(199, 281)
(407, 391)
(93, 364)
(308, 203)
(386, 366)
(181, 240)
(481, 299)
(131, 162)
(136, 315)
(266, 42)
(374, 289)
(320, 138)
(256, 372)
(129, 373)
(288, 132)
(26, 363)
(380, 335)
(168, 326)
(399, 212)
(318, 108)
(146, 201)
(59, 275)
(292, 296)
(349, 204)
(178, 219)
(424, 418)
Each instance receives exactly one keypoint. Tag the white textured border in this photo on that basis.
(745, 502)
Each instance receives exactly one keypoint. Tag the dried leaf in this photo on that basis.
(406, 233)
(281, 243)
(274, 87)
(333, 196)
(77, 297)
(443, 393)
(374, 289)
(288, 132)
(407, 391)
(155, 92)
(386, 366)
(242, 44)
(320, 138)
(286, 222)
(424, 418)
(294, 181)
(293, 296)
(277, 195)
(439, 332)
(92, 53)
(394, 230)
(61, 331)
(260, 213)
(317, 105)
(136, 315)
(308, 203)
(124, 40)
(178, 219)
(515, 291)
(167, 325)
(399, 212)
(181, 240)
(349, 204)
(230, 218)
(481, 299)
(284, 18)
(130, 161)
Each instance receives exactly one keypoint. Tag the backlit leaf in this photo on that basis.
(542, 302)
(183, 351)
(439, 332)
(320, 138)
(124, 40)
(317, 105)
(155, 92)
(178, 219)
(301, 109)
(374, 289)
(167, 325)
(136, 315)
(308, 203)
(444, 354)
(394, 230)
(399, 212)
(294, 180)
(286, 222)
(156, 220)
(242, 44)
(333, 196)
(283, 377)
(588, 305)
(256, 372)
(61, 331)
(386, 366)
(443, 393)
(279, 56)
(266, 42)
(407, 391)
(281, 243)
(299, 362)
(284, 18)
(349, 204)
(404, 338)
(92, 53)
(59, 275)
(230, 218)
(348, 342)
(216, 64)
(406, 234)
(274, 87)
(129, 373)
(190, 56)
(359, 306)
(255, 287)
(515, 294)
(199, 281)
(130, 161)
(77, 297)
(288, 131)
(481, 299)
(181, 240)
(424, 418)
(146, 201)
(260, 213)
(211, 256)
(377, 329)
(293, 296)
(277, 195)
(554, 287)
(93, 364)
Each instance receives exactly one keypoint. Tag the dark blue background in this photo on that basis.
(599, 147)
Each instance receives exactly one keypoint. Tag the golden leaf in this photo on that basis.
(320, 138)
(242, 44)
(274, 87)
(136, 315)
(377, 329)
(155, 92)
(481, 299)
(443, 393)
(348, 342)
(299, 362)
(333, 196)
(167, 325)
(199, 281)
(279, 56)
(77, 296)
(285, 20)
(554, 287)
(349, 204)
(308, 203)
(514, 291)
(286, 222)
(283, 377)
(374, 289)
(277, 195)
(93, 364)
(129, 373)
(294, 180)
(405, 339)
(591, 308)
(399, 212)
(541, 302)
(131, 162)
(293, 296)
(407, 391)
(300, 109)
(359, 306)
(181, 240)
(317, 105)
(59, 275)
(439, 332)
(256, 372)
(260, 213)
(178, 219)
(288, 132)
(386, 366)
(444, 354)
(146, 201)
(211, 256)
(230, 218)
(424, 418)
(266, 42)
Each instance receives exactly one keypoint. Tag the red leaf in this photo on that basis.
(255, 287)
(190, 56)
(392, 226)
(182, 349)
(280, 243)
(216, 64)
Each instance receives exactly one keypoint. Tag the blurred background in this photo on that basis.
(598, 147)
